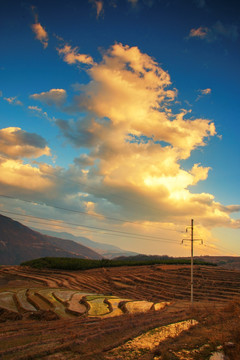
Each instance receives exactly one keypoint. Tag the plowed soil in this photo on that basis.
(81, 337)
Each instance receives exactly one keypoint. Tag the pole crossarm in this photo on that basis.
(193, 240)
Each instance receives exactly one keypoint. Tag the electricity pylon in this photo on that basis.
(192, 240)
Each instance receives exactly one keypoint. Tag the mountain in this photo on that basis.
(106, 250)
(19, 243)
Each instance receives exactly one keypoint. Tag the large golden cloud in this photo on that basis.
(138, 142)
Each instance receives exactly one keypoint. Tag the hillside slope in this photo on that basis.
(18, 243)
(107, 250)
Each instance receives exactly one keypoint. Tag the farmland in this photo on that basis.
(108, 313)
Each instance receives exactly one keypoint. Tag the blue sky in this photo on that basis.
(79, 79)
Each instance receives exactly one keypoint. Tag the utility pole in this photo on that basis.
(192, 261)
(192, 240)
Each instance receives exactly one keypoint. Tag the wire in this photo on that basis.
(142, 237)
(114, 195)
(84, 213)
(221, 248)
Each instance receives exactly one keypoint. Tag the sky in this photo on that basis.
(120, 121)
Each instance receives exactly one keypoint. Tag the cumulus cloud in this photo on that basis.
(84, 160)
(72, 56)
(217, 31)
(16, 176)
(17, 143)
(13, 100)
(136, 143)
(51, 97)
(131, 150)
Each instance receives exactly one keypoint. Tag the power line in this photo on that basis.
(93, 189)
(87, 214)
(114, 195)
(221, 248)
(142, 237)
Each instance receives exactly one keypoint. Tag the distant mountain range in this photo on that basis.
(19, 243)
(106, 250)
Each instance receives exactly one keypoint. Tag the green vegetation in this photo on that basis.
(63, 263)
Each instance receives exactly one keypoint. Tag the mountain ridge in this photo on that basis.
(19, 243)
(107, 250)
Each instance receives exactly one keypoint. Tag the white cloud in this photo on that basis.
(16, 176)
(51, 97)
(72, 56)
(136, 143)
(132, 167)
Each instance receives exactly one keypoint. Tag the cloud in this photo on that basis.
(201, 32)
(131, 145)
(98, 4)
(17, 143)
(84, 160)
(203, 92)
(206, 91)
(16, 176)
(13, 101)
(40, 34)
(71, 56)
(39, 112)
(51, 97)
(217, 31)
(136, 144)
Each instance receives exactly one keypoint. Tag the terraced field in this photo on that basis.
(153, 283)
(70, 303)
(111, 313)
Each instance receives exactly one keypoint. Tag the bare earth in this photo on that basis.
(110, 313)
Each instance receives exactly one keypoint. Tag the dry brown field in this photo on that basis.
(50, 332)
